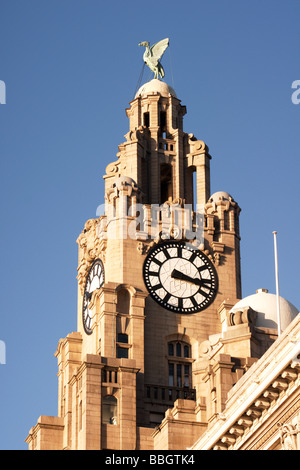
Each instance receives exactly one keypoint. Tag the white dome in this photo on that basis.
(265, 304)
(220, 195)
(123, 181)
(156, 86)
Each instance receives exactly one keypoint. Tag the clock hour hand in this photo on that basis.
(88, 296)
(183, 277)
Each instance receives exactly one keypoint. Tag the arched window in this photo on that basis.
(110, 410)
(179, 364)
(123, 301)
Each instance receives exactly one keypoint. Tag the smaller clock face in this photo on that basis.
(180, 278)
(94, 280)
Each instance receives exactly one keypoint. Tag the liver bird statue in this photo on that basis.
(153, 54)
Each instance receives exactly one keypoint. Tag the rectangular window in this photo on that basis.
(122, 352)
(146, 119)
(166, 187)
(186, 376)
(171, 375)
(122, 338)
(163, 120)
(179, 377)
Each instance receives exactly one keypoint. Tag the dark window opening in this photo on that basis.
(122, 353)
(171, 374)
(163, 121)
(146, 119)
(109, 410)
(122, 338)
(123, 301)
(165, 182)
(226, 221)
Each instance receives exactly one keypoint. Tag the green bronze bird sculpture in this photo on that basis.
(153, 54)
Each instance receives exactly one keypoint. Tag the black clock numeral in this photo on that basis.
(194, 302)
(193, 257)
(159, 263)
(180, 302)
(202, 268)
(167, 297)
(205, 294)
(179, 252)
(167, 254)
(153, 273)
(156, 287)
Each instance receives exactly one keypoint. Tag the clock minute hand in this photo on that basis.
(183, 277)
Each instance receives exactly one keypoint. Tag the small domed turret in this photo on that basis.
(265, 305)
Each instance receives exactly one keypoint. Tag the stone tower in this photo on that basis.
(158, 273)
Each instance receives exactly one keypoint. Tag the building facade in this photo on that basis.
(164, 342)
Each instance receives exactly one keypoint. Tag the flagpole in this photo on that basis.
(277, 284)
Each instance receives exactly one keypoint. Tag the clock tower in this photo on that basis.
(158, 272)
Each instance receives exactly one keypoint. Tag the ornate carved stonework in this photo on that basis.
(290, 435)
(90, 248)
(247, 315)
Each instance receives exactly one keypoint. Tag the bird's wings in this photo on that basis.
(159, 48)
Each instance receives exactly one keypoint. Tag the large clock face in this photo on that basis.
(94, 280)
(180, 278)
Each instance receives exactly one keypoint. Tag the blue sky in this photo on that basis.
(71, 68)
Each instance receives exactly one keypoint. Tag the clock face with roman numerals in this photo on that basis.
(94, 280)
(180, 278)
